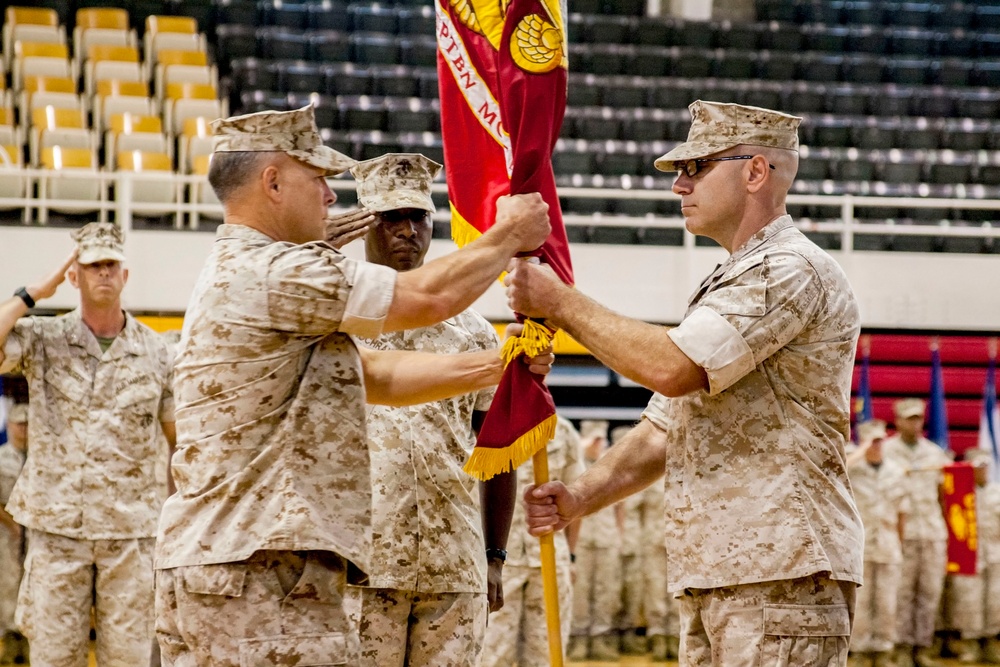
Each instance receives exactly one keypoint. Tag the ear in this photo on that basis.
(271, 180)
(124, 276)
(758, 172)
(73, 276)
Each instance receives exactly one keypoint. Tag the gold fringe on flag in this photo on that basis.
(534, 340)
(486, 462)
(462, 231)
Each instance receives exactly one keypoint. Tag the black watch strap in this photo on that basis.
(496, 553)
(22, 292)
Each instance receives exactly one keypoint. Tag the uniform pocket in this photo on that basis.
(805, 635)
(223, 579)
(301, 650)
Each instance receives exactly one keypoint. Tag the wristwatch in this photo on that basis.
(22, 292)
(497, 553)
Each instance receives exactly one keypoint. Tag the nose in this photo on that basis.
(406, 229)
(682, 184)
(329, 196)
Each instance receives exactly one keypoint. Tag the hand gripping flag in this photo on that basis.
(502, 77)
(502, 72)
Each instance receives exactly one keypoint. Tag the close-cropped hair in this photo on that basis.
(232, 170)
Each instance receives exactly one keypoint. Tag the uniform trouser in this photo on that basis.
(920, 586)
(631, 602)
(875, 612)
(400, 628)
(276, 608)
(64, 578)
(518, 633)
(659, 606)
(797, 622)
(11, 569)
(973, 604)
(596, 593)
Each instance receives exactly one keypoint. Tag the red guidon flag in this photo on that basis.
(960, 515)
(502, 71)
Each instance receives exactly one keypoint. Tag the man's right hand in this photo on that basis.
(550, 507)
(525, 218)
(48, 285)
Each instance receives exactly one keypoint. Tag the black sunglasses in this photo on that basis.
(399, 215)
(692, 167)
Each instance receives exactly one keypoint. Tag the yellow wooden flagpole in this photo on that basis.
(550, 587)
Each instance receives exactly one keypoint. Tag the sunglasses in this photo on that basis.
(400, 215)
(692, 167)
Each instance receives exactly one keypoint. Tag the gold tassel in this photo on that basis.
(486, 462)
(535, 339)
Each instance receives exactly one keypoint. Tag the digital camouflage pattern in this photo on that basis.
(62, 578)
(277, 608)
(597, 589)
(658, 606)
(94, 427)
(875, 615)
(98, 241)
(804, 621)
(756, 480)
(396, 180)
(426, 524)
(630, 616)
(518, 632)
(11, 544)
(717, 127)
(443, 628)
(272, 449)
(922, 464)
(881, 496)
(921, 584)
(293, 132)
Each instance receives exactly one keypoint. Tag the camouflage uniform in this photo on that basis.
(973, 604)
(925, 540)
(11, 546)
(659, 606)
(518, 632)
(880, 494)
(630, 616)
(597, 590)
(426, 600)
(760, 518)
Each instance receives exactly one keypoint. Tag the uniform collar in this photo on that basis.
(80, 335)
(763, 235)
(241, 232)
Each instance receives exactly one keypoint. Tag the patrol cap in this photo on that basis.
(396, 180)
(99, 241)
(717, 127)
(873, 429)
(18, 414)
(909, 407)
(292, 132)
(590, 428)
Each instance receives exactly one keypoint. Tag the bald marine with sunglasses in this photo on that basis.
(436, 565)
(751, 412)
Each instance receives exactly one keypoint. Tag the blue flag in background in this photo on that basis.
(937, 415)
(863, 399)
(989, 423)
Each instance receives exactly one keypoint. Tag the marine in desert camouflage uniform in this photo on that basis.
(100, 401)
(12, 457)
(518, 633)
(426, 600)
(272, 513)
(751, 414)
(925, 536)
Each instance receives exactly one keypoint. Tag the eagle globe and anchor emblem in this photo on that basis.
(537, 44)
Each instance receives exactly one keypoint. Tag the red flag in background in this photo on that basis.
(960, 515)
(502, 72)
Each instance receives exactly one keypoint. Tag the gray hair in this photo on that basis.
(232, 170)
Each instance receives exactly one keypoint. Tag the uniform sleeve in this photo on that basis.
(16, 348)
(167, 396)
(314, 290)
(749, 317)
(491, 341)
(657, 411)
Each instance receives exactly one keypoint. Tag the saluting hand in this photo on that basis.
(48, 286)
(343, 228)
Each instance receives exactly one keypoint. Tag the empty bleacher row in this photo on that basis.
(105, 100)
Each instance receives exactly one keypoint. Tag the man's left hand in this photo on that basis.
(343, 228)
(542, 364)
(494, 584)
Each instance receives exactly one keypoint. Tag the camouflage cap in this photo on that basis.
(909, 407)
(18, 414)
(396, 180)
(717, 127)
(873, 429)
(292, 132)
(98, 241)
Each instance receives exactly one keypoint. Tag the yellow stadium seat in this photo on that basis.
(102, 17)
(148, 190)
(13, 185)
(11, 155)
(6, 116)
(99, 52)
(178, 57)
(50, 118)
(41, 49)
(198, 127)
(57, 157)
(32, 15)
(184, 24)
(183, 90)
(51, 84)
(143, 161)
(201, 164)
(74, 180)
(122, 88)
(202, 192)
(127, 123)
